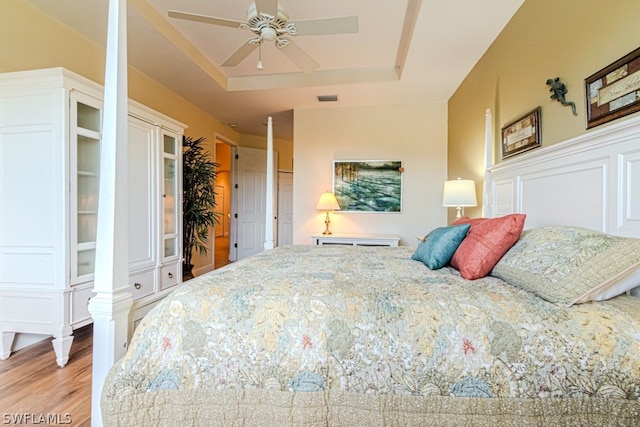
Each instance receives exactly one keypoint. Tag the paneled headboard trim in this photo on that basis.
(592, 181)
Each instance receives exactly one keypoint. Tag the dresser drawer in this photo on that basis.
(80, 304)
(168, 276)
(142, 284)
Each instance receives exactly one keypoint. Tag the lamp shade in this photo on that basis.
(459, 192)
(328, 202)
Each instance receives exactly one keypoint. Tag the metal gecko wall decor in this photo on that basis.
(559, 91)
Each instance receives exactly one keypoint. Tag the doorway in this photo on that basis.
(223, 188)
(241, 194)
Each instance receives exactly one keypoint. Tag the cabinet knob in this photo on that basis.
(137, 285)
(170, 275)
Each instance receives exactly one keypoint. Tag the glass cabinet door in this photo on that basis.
(170, 195)
(85, 129)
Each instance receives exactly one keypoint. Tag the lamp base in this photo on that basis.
(327, 221)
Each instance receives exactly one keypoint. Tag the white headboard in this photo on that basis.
(590, 181)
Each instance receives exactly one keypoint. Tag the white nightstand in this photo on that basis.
(356, 239)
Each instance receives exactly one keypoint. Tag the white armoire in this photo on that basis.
(50, 133)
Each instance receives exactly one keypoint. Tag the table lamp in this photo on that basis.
(459, 193)
(327, 203)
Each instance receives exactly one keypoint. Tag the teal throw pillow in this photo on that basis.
(440, 244)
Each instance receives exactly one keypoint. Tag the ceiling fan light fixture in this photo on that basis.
(268, 33)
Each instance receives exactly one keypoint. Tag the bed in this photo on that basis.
(326, 335)
(511, 319)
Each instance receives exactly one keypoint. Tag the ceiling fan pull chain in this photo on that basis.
(259, 66)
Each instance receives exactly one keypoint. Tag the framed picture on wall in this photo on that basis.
(522, 134)
(614, 91)
(368, 185)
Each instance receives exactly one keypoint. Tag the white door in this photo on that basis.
(251, 196)
(285, 208)
(141, 188)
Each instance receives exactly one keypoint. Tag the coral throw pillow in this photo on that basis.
(486, 243)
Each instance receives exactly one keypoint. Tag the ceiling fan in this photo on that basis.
(269, 21)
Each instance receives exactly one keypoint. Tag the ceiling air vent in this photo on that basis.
(327, 98)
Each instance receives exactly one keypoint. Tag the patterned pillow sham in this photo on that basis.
(571, 265)
(439, 245)
(487, 241)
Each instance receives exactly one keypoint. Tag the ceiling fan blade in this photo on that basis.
(268, 7)
(204, 18)
(340, 25)
(240, 54)
(299, 56)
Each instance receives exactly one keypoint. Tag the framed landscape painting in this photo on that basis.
(368, 185)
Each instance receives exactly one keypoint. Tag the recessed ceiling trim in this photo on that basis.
(171, 33)
(317, 78)
(410, 18)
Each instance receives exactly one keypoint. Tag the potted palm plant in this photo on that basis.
(198, 200)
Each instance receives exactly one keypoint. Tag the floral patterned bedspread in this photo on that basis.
(371, 320)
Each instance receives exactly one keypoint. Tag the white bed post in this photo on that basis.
(110, 307)
(487, 206)
(268, 223)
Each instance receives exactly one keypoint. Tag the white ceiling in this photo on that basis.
(405, 52)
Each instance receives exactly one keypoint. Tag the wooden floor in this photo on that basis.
(32, 385)
(222, 251)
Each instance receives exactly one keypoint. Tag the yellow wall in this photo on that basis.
(30, 39)
(415, 135)
(570, 39)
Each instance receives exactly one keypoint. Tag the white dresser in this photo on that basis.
(50, 132)
(355, 239)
